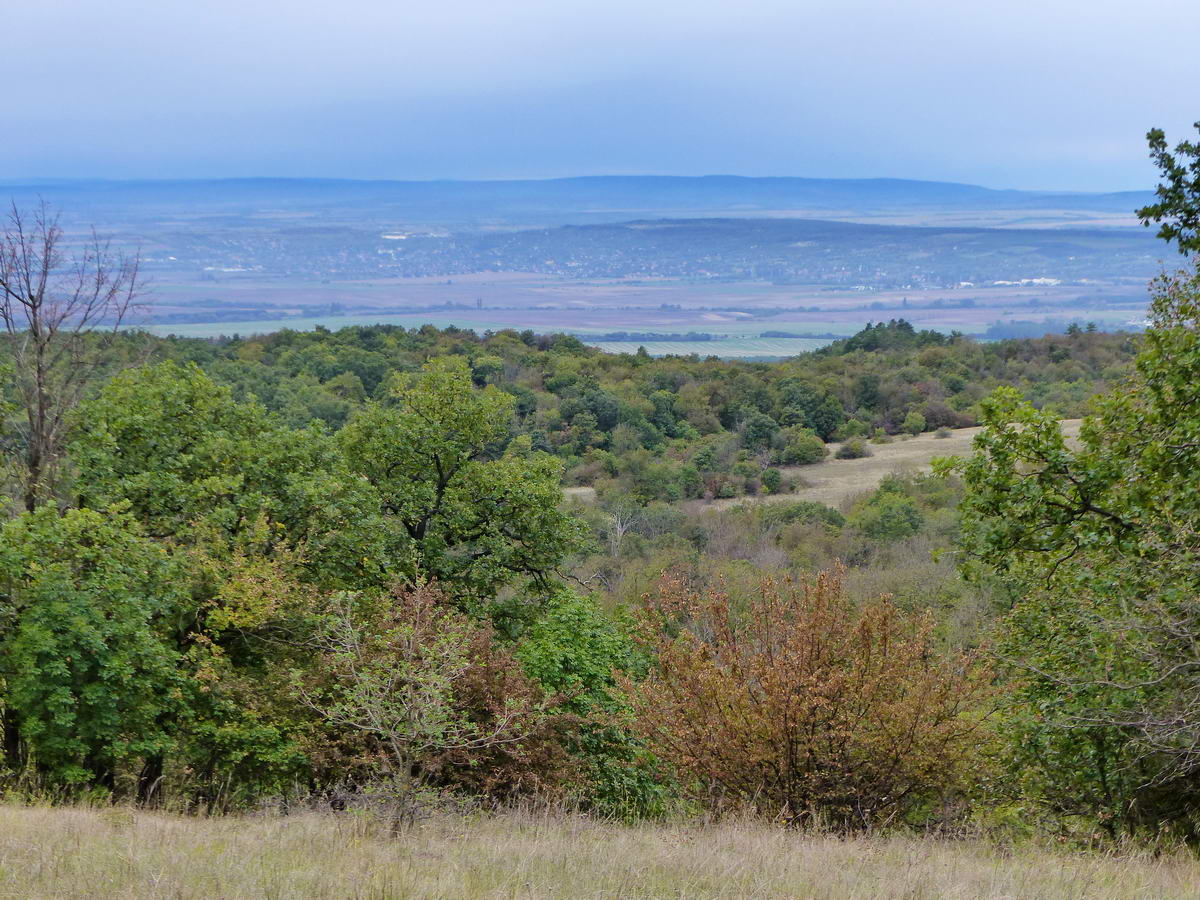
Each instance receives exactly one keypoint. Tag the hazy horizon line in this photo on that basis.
(88, 179)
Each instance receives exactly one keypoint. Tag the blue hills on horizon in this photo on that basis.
(593, 198)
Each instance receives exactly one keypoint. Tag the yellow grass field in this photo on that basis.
(119, 853)
(835, 481)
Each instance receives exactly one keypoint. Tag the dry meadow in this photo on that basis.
(118, 852)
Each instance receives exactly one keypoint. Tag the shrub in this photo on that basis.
(799, 705)
(938, 415)
(851, 429)
(888, 516)
(914, 423)
(942, 432)
(575, 651)
(419, 695)
(725, 489)
(745, 469)
(778, 514)
(801, 447)
(854, 448)
(772, 480)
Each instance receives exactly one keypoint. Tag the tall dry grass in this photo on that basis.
(102, 853)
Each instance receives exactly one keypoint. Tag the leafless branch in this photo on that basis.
(59, 311)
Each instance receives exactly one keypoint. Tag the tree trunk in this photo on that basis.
(33, 475)
(149, 780)
(103, 775)
(11, 752)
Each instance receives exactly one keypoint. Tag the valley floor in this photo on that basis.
(102, 853)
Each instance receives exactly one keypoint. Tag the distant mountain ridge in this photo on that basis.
(582, 199)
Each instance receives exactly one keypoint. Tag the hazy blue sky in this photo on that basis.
(1007, 93)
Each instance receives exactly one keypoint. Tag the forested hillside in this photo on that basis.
(342, 562)
(676, 427)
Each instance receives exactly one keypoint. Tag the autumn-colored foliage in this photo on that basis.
(409, 687)
(802, 705)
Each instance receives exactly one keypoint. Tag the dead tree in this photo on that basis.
(60, 311)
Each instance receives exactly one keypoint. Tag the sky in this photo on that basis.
(1035, 94)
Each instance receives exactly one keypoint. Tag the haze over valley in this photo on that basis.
(722, 265)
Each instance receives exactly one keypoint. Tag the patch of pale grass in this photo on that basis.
(101, 853)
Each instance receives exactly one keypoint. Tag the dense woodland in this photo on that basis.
(341, 563)
(340, 568)
(679, 427)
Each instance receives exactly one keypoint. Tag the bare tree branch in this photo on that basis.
(59, 313)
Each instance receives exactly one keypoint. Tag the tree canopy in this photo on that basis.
(1099, 543)
(1178, 206)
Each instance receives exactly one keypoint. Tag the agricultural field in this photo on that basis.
(745, 319)
(728, 348)
(120, 852)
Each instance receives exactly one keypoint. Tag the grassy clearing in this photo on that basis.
(834, 481)
(66, 853)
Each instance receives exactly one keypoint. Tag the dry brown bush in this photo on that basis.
(802, 706)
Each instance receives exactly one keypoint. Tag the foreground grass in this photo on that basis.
(120, 853)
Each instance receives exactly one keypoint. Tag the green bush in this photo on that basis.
(772, 480)
(575, 650)
(855, 448)
(914, 423)
(801, 447)
(888, 516)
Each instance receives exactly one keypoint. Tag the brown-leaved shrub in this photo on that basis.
(798, 704)
(414, 695)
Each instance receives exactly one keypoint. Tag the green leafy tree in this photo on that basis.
(196, 466)
(1178, 206)
(256, 516)
(474, 513)
(758, 431)
(804, 404)
(1099, 543)
(89, 669)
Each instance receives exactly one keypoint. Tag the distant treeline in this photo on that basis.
(829, 335)
(654, 336)
(1020, 328)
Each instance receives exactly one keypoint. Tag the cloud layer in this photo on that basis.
(1054, 94)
